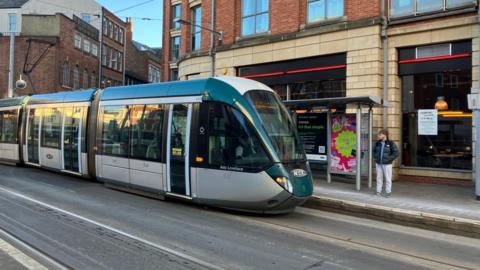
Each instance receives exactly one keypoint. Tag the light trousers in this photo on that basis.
(384, 172)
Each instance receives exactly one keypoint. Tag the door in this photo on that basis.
(178, 148)
(71, 146)
(33, 135)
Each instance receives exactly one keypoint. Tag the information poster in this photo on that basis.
(312, 129)
(343, 144)
(428, 122)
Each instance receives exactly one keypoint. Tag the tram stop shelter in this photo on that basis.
(347, 134)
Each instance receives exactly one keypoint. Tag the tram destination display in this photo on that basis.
(312, 129)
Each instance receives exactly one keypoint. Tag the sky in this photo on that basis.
(148, 32)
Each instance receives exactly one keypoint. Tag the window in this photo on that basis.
(434, 50)
(94, 50)
(255, 17)
(104, 55)
(120, 61)
(110, 29)
(86, 46)
(93, 80)
(86, 17)
(196, 31)
(176, 14)
(8, 126)
(175, 49)
(76, 78)
(105, 26)
(146, 138)
(66, 74)
(115, 131)
(12, 22)
(85, 79)
(451, 147)
(113, 56)
(174, 74)
(153, 74)
(319, 10)
(401, 8)
(110, 57)
(120, 35)
(78, 41)
(228, 140)
(51, 128)
(115, 32)
(278, 124)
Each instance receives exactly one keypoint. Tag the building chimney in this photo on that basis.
(129, 29)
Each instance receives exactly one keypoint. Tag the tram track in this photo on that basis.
(118, 238)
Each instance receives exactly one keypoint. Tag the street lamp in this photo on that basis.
(218, 34)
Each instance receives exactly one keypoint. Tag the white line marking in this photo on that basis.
(165, 249)
(19, 256)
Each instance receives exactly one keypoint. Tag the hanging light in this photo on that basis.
(441, 104)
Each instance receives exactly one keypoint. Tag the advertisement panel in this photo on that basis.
(312, 129)
(343, 144)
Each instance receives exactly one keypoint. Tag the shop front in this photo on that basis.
(436, 122)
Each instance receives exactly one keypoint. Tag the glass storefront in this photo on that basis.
(446, 92)
(311, 89)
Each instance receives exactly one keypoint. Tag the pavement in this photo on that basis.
(450, 209)
(12, 258)
(83, 225)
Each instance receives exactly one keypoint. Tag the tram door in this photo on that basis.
(72, 150)
(178, 148)
(33, 136)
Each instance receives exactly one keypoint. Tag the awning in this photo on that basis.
(370, 101)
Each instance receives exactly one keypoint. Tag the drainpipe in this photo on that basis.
(212, 40)
(385, 62)
(477, 129)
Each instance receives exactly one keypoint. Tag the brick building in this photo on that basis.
(52, 53)
(418, 55)
(147, 65)
(113, 50)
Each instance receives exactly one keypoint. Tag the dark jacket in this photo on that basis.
(390, 152)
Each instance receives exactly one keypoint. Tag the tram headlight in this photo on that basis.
(285, 183)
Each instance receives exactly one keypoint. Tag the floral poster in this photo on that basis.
(343, 144)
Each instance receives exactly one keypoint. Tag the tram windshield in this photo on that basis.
(278, 124)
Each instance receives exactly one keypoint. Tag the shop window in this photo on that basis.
(311, 89)
(51, 128)
(8, 126)
(146, 138)
(255, 17)
(115, 131)
(175, 49)
(176, 14)
(196, 30)
(227, 140)
(319, 10)
(449, 145)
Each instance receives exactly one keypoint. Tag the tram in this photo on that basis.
(226, 142)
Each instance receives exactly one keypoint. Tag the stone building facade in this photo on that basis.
(422, 54)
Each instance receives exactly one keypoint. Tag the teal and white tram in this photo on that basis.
(226, 142)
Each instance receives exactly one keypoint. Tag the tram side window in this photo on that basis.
(8, 120)
(146, 132)
(115, 131)
(231, 140)
(51, 128)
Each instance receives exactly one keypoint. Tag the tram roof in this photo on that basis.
(182, 88)
(62, 97)
(11, 102)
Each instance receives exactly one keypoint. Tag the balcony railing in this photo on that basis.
(408, 8)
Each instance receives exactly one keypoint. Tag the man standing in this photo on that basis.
(384, 153)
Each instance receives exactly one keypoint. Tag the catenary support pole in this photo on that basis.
(101, 52)
(329, 146)
(11, 65)
(477, 127)
(385, 60)
(212, 40)
(370, 140)
(359, 148)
